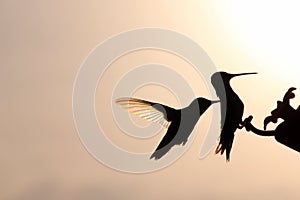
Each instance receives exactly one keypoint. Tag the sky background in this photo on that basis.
(43, 44)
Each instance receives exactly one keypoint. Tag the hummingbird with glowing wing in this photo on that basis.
(178, 122)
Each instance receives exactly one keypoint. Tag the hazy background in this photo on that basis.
(43, 44)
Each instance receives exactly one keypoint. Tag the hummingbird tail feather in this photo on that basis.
(160, 153)
(220, 148)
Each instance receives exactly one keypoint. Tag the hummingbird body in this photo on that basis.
(232, 109)
(179, 122)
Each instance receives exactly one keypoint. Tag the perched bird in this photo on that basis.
(232, 109)
(179, 122)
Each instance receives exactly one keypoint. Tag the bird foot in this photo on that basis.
(240, 126)
(246, 123)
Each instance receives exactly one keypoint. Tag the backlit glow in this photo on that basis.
(269, 30)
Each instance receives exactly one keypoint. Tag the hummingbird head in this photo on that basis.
(227, 76)
(205, 103)
(220, 81)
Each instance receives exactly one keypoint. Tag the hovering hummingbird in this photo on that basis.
(232, 109)
(179, 122)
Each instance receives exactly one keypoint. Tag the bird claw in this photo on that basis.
(240, 126)
(247, 123)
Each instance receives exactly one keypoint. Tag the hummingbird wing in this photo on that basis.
(229, 126)
(162, 114)
(225, 143)
(167, 142)
(147, 110)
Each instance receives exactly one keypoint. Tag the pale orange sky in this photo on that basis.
(43, 44)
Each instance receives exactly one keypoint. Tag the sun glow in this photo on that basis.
(268, 30)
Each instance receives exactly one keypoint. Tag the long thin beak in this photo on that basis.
(216, 101)
(241, 74)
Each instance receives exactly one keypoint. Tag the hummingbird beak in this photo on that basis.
(241, 74)
(215, 101)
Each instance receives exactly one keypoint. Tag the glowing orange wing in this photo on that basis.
(144, 109)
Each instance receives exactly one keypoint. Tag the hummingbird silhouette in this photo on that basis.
(232, 109)
(179, 122)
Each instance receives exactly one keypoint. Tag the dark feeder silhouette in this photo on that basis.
(179, 122)
(288, 131)
(232, 109)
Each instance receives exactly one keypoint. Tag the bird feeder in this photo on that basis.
(287, 132)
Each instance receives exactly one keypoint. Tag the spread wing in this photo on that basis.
(147, 110)
(167, 142)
